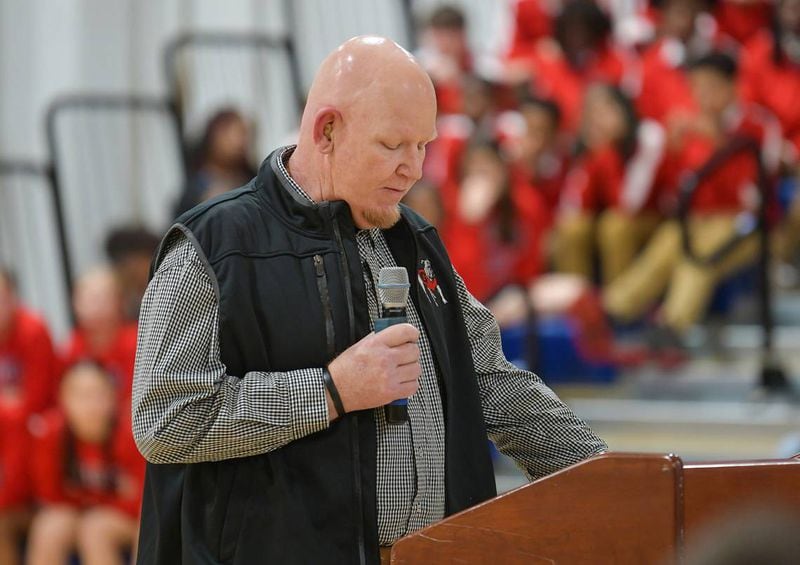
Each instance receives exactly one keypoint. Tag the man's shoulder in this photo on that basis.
(222, 205)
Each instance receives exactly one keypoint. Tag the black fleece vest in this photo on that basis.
(291, 295)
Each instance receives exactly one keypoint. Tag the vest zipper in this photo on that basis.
(354, 442)
(325, 298)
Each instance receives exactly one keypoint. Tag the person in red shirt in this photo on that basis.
(27, 361)
(724, 201)
(770, 59)
(491, 244)
(538, 160)
(86, 474)
(663, 85)
(582, 54)
(14, 487)
(611, 190)
(101, 333)
(770, 74)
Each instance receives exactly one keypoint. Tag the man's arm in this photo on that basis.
(524, 418)
(186, 408)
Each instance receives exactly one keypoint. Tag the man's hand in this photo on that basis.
(380, 368)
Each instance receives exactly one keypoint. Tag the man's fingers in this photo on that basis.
(398, 335)
(406, 353)
(409, 373)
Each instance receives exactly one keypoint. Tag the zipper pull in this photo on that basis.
(318, 264)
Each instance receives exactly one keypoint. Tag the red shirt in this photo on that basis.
(729, 188)
(741, 20)
(28, 366)
(553, 77)
(533, 20)
(118, 357)
(774, 85)
(664, 85)
(14, 449)
(484, 260)
(540, 189)
(109, 476)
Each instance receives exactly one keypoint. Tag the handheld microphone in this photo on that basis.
(393, 288)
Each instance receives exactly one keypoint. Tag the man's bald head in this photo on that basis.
(370, 111)
(362, 68)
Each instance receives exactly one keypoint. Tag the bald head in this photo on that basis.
(370, 111)
(362, 71)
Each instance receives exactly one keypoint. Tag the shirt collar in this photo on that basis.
(283, 158)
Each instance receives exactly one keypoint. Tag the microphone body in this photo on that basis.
(393, 288)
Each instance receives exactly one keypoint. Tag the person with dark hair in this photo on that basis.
(130, 250)
(612, 189)
(491, 242)
(221, 160)
(581, 54)
(86, 474)
(663, 87)
(724, 202)
(537, 158)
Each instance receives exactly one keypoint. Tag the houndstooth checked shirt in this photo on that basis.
(186, 408)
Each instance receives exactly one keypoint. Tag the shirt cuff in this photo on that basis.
(309, 407)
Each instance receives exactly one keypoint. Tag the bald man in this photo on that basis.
(259, 383)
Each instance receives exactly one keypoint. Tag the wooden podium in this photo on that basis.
(614, 508)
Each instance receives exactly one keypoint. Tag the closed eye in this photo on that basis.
(391, 147)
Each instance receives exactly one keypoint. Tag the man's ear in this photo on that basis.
(326, 123)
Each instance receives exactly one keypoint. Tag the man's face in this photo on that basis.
(378, 154)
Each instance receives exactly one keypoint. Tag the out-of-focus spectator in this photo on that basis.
(491, 242)
(101, 333)
(130, 251)
(771, 77)
(612, 190)
(479, 120)
(770, 74)
(724, 201)
(28, 365)
(445, 54)
(583, 53)
(86, 472)
(741, 20)
(14, 484)
(538, 161)
(221, 161)
(663, 84)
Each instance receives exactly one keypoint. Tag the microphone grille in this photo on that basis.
(393, 287)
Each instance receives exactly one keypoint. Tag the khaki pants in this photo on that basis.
(662, 267)
(619, 238)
